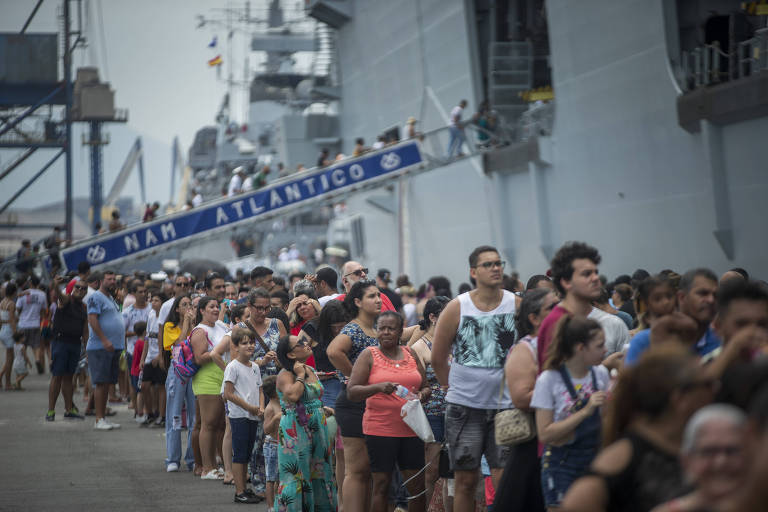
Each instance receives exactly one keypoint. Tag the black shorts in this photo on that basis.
(349, 415)
(384, 452)
(153, 374)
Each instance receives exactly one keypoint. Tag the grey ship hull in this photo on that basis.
(618, 171)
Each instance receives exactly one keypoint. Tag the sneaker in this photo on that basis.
(74, 414)
(140, 419)
(172, 467)
(160, 422)
(51, 416)
(115, 426)
(147, 422)
(244, 497)
(212, 475)
(102, 424)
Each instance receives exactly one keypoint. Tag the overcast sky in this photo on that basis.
(156, 61)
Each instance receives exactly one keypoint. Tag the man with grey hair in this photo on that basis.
(354, 271)
(714, 458)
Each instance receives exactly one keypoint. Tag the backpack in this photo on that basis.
(184, 360)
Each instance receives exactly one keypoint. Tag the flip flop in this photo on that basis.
(228, 482)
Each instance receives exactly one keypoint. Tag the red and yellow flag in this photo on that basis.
(216, 61)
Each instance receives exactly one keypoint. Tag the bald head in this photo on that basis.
(730, 276)
(352, 272)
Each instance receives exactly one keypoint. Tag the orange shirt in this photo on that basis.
(382, 412)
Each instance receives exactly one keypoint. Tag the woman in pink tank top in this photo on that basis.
(375, 376)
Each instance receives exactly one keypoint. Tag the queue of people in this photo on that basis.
(295, 396)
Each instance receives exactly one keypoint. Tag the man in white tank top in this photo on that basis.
(478, 328)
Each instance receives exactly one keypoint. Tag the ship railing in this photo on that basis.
(537, 121)
(710, 65)
(445, 145)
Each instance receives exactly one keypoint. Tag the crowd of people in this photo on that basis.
(569, 392)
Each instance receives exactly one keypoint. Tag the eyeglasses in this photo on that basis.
(359, 272)
(183, 285)
(487, 265)
(261, 308)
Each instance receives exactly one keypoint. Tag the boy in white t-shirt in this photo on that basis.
(245, 406)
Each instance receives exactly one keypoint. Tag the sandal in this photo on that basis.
(228, 482)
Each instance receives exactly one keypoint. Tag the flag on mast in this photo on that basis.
(213, 42)
(216, 61)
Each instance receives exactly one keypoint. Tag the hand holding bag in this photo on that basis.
(413, 415)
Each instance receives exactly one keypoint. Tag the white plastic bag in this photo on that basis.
(413, 415)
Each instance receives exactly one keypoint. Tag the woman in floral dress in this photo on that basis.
(305, 472)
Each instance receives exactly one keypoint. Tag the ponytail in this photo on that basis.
(569, 332)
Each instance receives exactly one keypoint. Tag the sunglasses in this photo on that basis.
(492, 264)
(359, 272)
(80, 287)
(183, 285)
(300, 343)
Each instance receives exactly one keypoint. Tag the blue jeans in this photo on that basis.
(331, 389)
(456, 141)
(177, 393)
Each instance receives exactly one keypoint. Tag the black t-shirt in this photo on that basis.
(322, 363)
(397, 302)
(69, 322)
(628, 308)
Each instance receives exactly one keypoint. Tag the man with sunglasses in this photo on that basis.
(478, 327)
(70, 333)
(352, 272)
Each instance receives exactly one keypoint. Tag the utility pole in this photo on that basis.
(68, 123)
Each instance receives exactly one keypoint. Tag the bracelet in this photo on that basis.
(300, 379)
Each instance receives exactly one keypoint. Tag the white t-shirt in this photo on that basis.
(153, 349)
(197, 200)
(235, 185)
(247, 381)
(550, 392)
(31, 305)
(456, 113)
(411, 315)
(131, 315)
(324, 300)
(616, 332)
(248, 184)
(165, 310)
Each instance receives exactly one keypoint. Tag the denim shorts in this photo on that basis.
(104, 365)
(470, 435)
(270, 458)
(64, 358)
(437, 422)
(243, 438)
(331, 389)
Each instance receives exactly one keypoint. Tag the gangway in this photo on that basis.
(287, 196)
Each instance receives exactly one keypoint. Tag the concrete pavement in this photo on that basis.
(66, 465)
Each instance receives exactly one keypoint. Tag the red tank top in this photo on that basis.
(382, 412)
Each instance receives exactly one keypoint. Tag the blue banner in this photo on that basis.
(300, 188)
